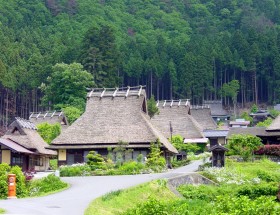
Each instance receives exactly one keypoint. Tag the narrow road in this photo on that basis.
(83, 190)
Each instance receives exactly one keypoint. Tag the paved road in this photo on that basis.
(83, 190)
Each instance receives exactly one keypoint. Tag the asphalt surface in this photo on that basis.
(83, 190)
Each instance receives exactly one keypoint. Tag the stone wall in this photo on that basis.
(188, 178)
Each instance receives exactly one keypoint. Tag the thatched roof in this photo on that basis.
(255, 131)
(177, 116)
(275, 125)
(50, 117)
(24, 133)
(113, 115)
(14, 146)
(203, 116)
(216, 107)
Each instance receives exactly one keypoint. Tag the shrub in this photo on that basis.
(75, 170)
(245, 206)
(155, 161)
(257, 190)
(53, 164)
(178, 163)
(4, 168)
(45, 185)
(150, 207)
(269, 150)
(268, 176)
(95, 161)
(131, 167)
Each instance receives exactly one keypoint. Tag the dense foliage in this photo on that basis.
(179, 49)
(49, 132)
(244, 145)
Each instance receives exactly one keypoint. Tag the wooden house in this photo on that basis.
(174, 116)
(23, 146)
(111, 116)
(218, 113)
(51, 117)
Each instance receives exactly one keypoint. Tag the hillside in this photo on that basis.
(178, 48)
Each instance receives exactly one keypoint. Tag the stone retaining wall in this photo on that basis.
(188, 178)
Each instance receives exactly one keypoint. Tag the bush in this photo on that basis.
(155, 161)
(257, 190)
(178, 163)
(131, 167)
(245, 206)
(150, 207)
(75, 170)
(269, 150)
(268, 176)
(95, 161)
(46, 185)
(53, 164)
(4, 168)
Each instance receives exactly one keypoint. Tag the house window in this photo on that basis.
(17, 159)
(36, 161)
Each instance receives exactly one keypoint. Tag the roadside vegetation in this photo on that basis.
(2, 211)
(99, 165)
(28, 188)
(115, 164)
(243, 188)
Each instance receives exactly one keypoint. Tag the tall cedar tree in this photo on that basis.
(100, 56)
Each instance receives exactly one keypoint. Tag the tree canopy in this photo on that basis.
(179, 49)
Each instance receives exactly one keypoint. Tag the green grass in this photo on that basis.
(119, 201)
(251, 169)
(2, 211)
(199, 200)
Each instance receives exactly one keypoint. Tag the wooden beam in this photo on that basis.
(115, 93)
(128, 89)
(38, 115)
(46, 114)
(102, 94)
(179, 103)
(140, 90)
(53, 114)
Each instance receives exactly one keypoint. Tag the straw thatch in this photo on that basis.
(275, 125)
(255, 131)
(177, 116)
(203, 116)
(216, 107)
(24, 133)
(113, 115)
(50, 117)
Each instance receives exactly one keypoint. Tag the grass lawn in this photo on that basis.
(119, 201)
(2, 211)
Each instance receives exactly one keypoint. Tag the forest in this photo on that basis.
(178, 49)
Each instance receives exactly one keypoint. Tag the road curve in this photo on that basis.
(83, 190)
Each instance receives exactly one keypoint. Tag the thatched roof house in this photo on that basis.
(50, 117)
(202, 115)
(111, 116)
(217, 111)
(23, 134)
(175, 116)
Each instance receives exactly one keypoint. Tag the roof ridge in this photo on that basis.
(120, 92)
(25, 123)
